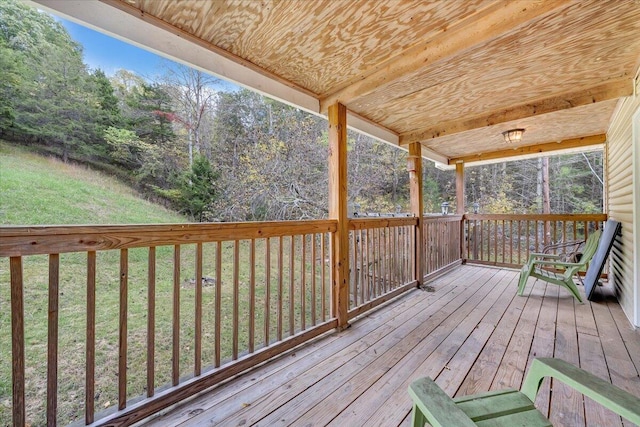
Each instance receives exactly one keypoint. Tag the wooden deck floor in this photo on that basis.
(472, 334)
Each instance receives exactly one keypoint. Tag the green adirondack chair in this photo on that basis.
(511, 407)
(552, 269)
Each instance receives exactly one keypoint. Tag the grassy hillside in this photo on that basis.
(38, 190)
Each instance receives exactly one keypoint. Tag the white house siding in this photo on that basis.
(622, 196)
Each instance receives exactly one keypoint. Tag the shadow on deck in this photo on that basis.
(472, 334)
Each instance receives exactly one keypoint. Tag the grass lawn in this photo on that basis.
(36, 190)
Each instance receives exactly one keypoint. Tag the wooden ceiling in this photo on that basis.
(451, 74)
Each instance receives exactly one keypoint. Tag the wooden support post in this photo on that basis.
(414, 166)
(338, 211)
(460, 188)
(460, 204)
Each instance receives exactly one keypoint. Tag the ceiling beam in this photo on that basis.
(485, 25)
(530, 150)
(603, 92)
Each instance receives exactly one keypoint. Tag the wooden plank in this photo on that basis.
(218, 307)
(323, 256)
(567, 407)
(337, 114)
(292, 290)
(52, 339)
(543, 344)
(630, 335)
(34, 240)
(197, 353)
(189, 388)
(247, 389)
(592, 360)
(306, 390)
(90, 352)
(371, 223)
(416, 203)
(151, 322)
(303, 284)
(252, 295)
(17, 341)
(122, 334)
(512, 367)
(267, 291)
(622, 370)
(481, 27)
(280, 306)
(601, 91)
(314, 282)
(455, 371)
(175, 344)
(440, 346)
(235, 328)
(488, 362)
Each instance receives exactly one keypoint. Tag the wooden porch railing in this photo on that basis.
(125, 307)
(127, 316)
(442, 235)
(507, 240)
(382, 254)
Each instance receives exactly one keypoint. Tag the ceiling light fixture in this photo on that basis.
(513, 135)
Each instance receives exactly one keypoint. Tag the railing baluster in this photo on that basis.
(252, 295)
(197, 365)
(303, 285)
(280, 286)
(218, 306)
(236, 297)
(90, 361)
(267, 290)
(17, 340)
(292, 249)
(495, 241)
(361, 265)
(323, 257)
(52, 340)
(151, 322)
(175, 366)
(314, 282)
(122, 338)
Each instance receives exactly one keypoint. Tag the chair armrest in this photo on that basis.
(603, 392)
(566, 265)
(535, 256)
(438, 408)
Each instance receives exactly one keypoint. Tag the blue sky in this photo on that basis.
(110, 54)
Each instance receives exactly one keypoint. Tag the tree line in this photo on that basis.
(230, 155)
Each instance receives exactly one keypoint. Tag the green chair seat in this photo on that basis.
(550, 268)
(510, 408)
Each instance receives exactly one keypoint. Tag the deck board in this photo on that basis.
(472, 334)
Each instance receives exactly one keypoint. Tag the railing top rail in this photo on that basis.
(538, 217)
(38, 240)
(442, 218)
(366, 223)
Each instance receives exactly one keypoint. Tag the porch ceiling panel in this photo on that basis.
(450, 74)
(546, 128)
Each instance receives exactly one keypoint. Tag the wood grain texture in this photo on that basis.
(429, 68)
(17, 341)
(81, 238)
(347, 37)
(90, 355)
(52, 339)
(122, 329)
(459, 334)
